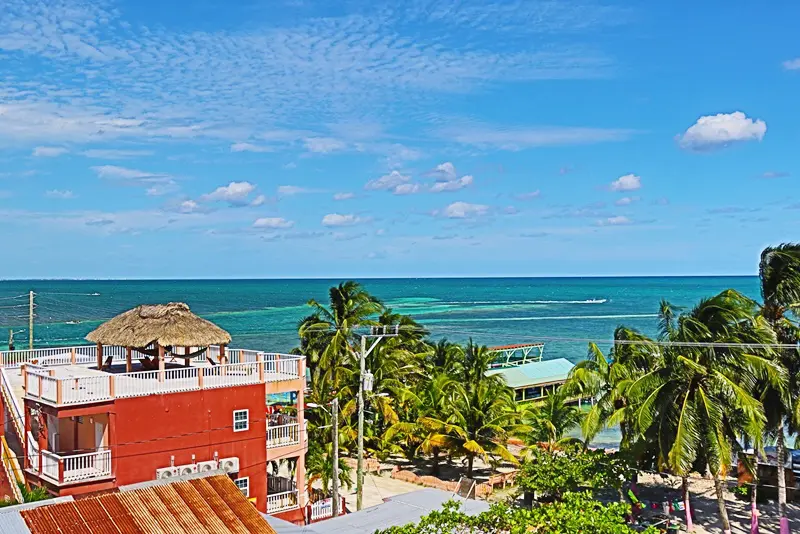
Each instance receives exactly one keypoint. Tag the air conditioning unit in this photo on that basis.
(166, 472)
(204, 467)
(229, 465)
(187, 469)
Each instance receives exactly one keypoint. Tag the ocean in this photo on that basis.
(263, 314)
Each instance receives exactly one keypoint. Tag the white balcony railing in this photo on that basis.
(33, 452)
(323, 509)
(44, 384)
(279, 502)
(282, 435)
(67, 469)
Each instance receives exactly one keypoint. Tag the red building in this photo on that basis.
(84, 429)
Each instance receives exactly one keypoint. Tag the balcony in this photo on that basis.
(69, 377)
(282, 495)
(68, 469)
(282, 430)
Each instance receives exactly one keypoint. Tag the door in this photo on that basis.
(99, 433)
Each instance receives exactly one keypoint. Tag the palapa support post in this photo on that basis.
(260, 361)
(128, 359)
(99, 356)
(111, 392)
(200, 377)
(223, 359)
(73, 358)
(187, 362)
(161, 365)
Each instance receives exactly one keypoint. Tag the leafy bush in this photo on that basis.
(552, 473)
(577, 513)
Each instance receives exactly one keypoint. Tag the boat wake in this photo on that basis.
(548, 318)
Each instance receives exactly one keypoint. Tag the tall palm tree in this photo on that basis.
(605, 379)
(702, 398)
(551, 420)
(779, 273)
(327, 335)
(444, 356)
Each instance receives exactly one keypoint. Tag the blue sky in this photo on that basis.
(303, 138)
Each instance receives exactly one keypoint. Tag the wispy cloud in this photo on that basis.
(49, 151)
(156, 183)
(249, 147)
(617, 220)
(465, 210)
(775, 174)
(235, 194)
(289, 190)
(337, 219)
(626, 201)
(530, 195)
(324, 145)
(273, 223)
(388, 182)
(792, 64)
(343, 196)
(447, 179)
(63, 194)
(110, 153)
(265, 74)
(516, 138)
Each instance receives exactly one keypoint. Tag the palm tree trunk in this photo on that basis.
(470, 459)
(435, 462)
(723, 509)
(780, 450)
(687, 504)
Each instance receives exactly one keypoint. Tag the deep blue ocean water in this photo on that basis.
(263, 314)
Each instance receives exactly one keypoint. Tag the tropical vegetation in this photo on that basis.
(711, 380)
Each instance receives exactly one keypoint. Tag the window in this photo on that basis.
(241, 420)
(244, 485)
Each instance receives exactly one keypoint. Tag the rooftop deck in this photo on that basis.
(69, 376)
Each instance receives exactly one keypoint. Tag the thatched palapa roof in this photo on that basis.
(170, 324)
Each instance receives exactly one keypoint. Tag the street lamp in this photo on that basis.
(334, 413)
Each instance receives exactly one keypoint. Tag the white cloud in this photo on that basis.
(259, 200)
(452, 185)
(288, 190)
(406, 189)
(49, 151)
(628, 182)
(197, 83)
(464, 210)
(343, 196)
(626, 201)
(249, 147)
(717, 131)
(792, 64)
(336, 219)
(273, 223)
(387, 181)
(617, 220)
(529, 195)
(59, 193)
(188, 206)
(519, 138)
(324, 145)
(155, 183)
(447, 169)
(99, 153)
(235, 194)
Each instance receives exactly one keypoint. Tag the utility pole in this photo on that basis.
(365, 384)
(30, 320)
(335, 480)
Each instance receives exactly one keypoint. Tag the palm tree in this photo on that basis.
(551, 419)
(444, 356)
(702, 397)
(779, 273)
(327, 335)
(319, 466)
(427, 431)
(606, 379)
(483, 417)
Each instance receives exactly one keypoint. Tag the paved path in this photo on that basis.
(377, 488)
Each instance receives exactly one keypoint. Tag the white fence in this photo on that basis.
(281, 435)
(12, 404)
(323, 509)
(278, 502)
(87, 466)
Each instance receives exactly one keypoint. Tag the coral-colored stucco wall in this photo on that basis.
(146, 431)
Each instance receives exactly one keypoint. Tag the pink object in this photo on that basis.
(689, 525)
(784, 525)
(753, 519)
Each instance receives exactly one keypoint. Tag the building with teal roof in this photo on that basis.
(535, 380)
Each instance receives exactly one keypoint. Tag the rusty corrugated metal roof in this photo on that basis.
(211, 505)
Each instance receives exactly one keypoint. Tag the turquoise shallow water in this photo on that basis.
(263, 314)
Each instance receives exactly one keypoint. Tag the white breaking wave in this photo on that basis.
(552, 318)
(588, 301)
